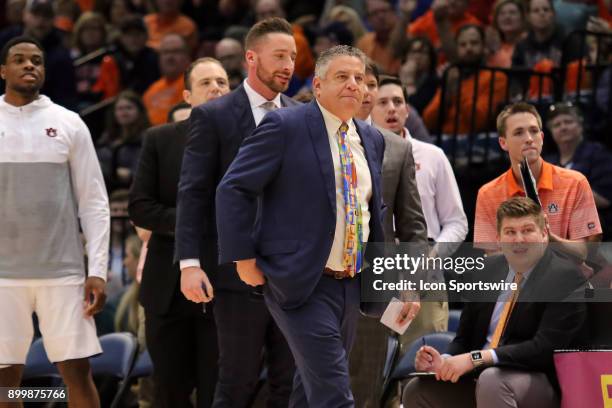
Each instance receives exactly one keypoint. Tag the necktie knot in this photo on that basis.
(343, 128)
(269, 106)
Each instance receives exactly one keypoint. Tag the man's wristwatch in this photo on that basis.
(477, 359)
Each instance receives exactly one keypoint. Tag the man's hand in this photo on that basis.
(409, 312)
(95, 287)
(249, 272)
(193, 280)
(454, 367)
(428, 359)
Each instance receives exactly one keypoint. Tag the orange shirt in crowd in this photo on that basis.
(604, 12)
(108, 82)
(86, 5)
(430, 115)
(379, 53)
(425, 26)
(161, 96)
(304, 62)
(481, 9)
(502, 58)
(566, 198)
(158, 27)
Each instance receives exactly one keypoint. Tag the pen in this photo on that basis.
(423, 340)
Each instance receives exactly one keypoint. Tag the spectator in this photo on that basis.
(565, 123)
(38, 23)
(132, 65)
(566, 197)
(332, 34)
(169, 20)
(349, 18)
(126, 316)
(461, 86)
(230, 53)
(509, 27)
(119, 147)
(377, 44)
(418, 72)
(168, 90)
(440, 25)
(304, 62)
(574, 14)
(14, 12)
(544, 42)
(89, 49)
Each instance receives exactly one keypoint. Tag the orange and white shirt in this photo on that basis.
(566, 196)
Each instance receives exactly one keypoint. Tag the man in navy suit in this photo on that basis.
(294, 210)
(216, 130)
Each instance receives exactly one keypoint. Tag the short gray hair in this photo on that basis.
(330, 54)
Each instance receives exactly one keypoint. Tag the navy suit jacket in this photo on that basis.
(283, 177)
(216, 130)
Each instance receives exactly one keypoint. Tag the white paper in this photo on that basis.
(389, 318)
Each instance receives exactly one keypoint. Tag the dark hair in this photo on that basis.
(466, 27)
(264, 27)
(518, 207)
(16, 41)
(177, 107)
(563, 108)
(372, 68)
(514, 108)
(112, 134)
(391, 80)
(431, 51)
(187, 74)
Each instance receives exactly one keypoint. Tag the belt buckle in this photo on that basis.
(339, 275)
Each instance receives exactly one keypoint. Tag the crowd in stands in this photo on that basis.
(121, 64)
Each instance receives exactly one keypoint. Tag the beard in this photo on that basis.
(269, 80)
(26, 90)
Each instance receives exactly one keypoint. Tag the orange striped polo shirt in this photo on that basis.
(566, 198)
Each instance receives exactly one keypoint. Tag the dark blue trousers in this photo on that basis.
(320, 334)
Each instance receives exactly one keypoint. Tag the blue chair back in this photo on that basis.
(37, 363)
(454, 315)
(143, 366)
(118, 355)
(439, 341)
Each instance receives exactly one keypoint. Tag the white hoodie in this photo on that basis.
(50, 180)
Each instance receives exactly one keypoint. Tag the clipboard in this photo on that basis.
(529, 183)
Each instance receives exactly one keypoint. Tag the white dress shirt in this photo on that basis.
(364, 185)
(255, 101)
(440, 198)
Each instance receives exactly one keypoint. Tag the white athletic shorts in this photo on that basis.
(67, 333)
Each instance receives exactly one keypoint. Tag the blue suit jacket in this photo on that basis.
(283, 177)
(216, 130)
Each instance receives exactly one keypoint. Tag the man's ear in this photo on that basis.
(502, 143)
(316, 85)
(187, 96)
(2, 71)
(250, 56)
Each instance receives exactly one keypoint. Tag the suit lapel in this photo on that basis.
(243, 112)
(320, 142)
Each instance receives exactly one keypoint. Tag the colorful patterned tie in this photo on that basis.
(353, 238)
(506, 312)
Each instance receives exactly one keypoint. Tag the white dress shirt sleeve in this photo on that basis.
(452, 218)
